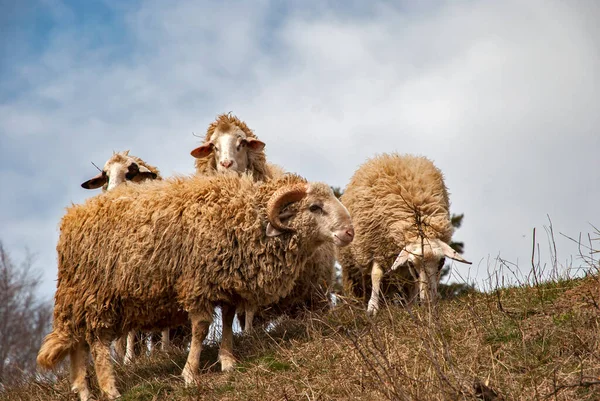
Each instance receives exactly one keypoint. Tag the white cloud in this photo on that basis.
(502, 96)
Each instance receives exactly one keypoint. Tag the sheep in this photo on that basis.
(234, 146)
(122, 167)
(118, 169)
(230, 145)
(151, 256)
(400, 209)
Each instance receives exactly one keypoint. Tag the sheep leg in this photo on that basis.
(250, 311)
(200, 324)
(226, 351)
(78, 371)
(165, 340)
(104, 369)
(130, 354)
(412, 293)
(376, 275)
(241, 314)
(120, 346)
(424, 288)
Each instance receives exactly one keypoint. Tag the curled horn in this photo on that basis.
(281, 197)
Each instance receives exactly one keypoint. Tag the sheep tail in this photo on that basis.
(55, 348)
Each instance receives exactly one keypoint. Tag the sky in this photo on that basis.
(504, 97)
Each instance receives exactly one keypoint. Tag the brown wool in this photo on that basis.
(142, 256)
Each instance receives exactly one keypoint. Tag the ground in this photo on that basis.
(530, 342)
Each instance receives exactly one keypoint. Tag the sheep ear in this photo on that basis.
(202, 150)
(95, 182)
(452, 254)
(272, 231)
(255, 144)
(146, 173)
(401, 259)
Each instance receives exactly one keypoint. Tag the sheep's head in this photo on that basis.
(311, 206)
(425, 260)
(229, 145)
(119, 168)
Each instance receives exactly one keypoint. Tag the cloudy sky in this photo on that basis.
(503, 96)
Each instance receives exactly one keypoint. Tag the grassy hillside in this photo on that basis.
(523, 343)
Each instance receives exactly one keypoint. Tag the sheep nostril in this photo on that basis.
(226, 163)
(350, 232)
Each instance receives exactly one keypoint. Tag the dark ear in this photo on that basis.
(203, 150)
(132, 171)
(95, 182)
(255, 144)
(144, 174)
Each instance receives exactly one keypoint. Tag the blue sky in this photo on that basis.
(503, 96)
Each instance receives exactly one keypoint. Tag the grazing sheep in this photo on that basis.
(230, 145)
(120, 168)
(150, 256)
(400, 209)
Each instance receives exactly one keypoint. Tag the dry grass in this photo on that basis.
(522, 343)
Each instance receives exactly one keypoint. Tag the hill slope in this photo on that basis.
(522, 343)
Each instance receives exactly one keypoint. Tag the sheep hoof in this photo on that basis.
(227, 363)
(372, 309)
(84, 394)
(113, 395)
(188, 378)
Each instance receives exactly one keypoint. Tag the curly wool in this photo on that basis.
(183, 244)
(318, 276)
(257, 162)
(384, 198)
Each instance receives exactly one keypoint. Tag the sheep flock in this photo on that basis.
(151, 254)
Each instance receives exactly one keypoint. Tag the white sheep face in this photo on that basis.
(118, 169)
(230, 149)
(333, 218)
(424, 262)
(321, 209)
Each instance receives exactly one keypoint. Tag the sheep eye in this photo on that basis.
(132, 171)
(241, 145)
(216, 148)
(315, 208)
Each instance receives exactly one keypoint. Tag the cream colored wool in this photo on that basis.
(123, 160)
(141, 257)
(313, 286)
(382, 197)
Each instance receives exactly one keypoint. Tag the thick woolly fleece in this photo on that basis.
(141, 256)
(385, 197)
(311, 289)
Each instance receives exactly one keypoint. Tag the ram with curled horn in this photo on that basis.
(200, 262)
